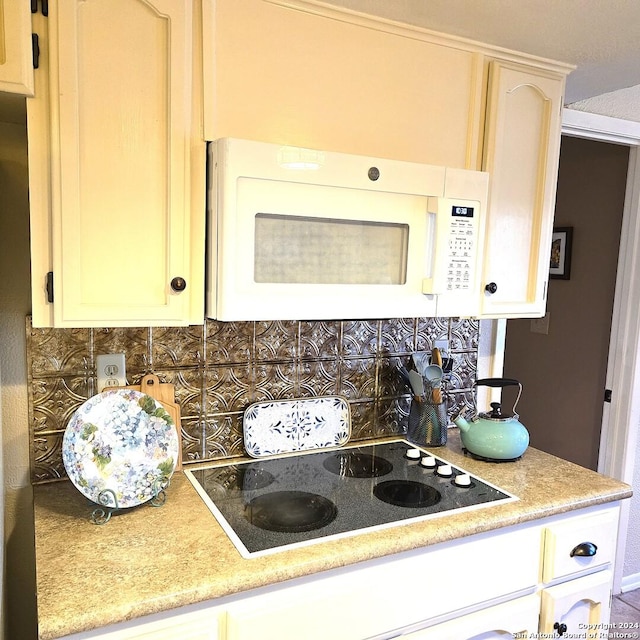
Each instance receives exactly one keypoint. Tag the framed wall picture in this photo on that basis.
(560, 264)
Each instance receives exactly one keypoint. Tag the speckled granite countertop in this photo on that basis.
(148, 559)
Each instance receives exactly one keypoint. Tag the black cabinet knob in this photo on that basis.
(584, 549)
(178, 284)
(492, 287)
(560, 627)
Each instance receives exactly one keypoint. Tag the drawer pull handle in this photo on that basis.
(585, 549)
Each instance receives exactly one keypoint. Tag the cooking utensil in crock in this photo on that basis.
(417, 384)
(420, 361)
(433, 375)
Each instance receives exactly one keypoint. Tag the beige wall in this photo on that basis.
(19, 587)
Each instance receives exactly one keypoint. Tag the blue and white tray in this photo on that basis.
(284, 426)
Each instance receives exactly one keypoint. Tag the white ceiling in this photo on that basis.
(601, 37)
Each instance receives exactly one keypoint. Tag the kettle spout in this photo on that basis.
(461, 422)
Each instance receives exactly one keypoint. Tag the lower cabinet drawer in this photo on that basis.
(378, 597)
(579, 543)
(195, 625)
(515, 619)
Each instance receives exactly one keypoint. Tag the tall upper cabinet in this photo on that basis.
(521, 149)
(117, 164)
(16, 59)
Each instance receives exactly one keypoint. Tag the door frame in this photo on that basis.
(620, 417)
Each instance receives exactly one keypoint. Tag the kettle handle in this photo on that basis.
(498, 382)
(502, 382)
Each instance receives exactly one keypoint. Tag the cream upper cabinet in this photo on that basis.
(16, 60)
(522, 138)
(117, 165)
(300, 73)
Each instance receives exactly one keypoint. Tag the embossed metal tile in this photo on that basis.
(177, 347)
(58, 351)
(218, 369)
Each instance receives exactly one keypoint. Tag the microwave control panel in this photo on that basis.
(461, 248)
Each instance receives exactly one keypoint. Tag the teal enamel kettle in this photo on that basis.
(494, 435)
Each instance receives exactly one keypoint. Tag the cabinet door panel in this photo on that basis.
(521, 155)
(121, 119)
(16, 64)
(583, 605)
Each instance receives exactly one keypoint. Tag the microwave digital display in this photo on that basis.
(461, 212)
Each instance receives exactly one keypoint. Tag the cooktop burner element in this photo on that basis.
(357, 464)
(270, 504)
(290, 511)
(407, 493)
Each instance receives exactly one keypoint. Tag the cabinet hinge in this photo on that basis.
(607, 395)
(50, 286)
(35, 50)
(44, 4)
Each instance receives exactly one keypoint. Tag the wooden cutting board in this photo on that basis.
(164, 393)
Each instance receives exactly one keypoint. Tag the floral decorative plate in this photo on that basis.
(283, 426)
(121, 441)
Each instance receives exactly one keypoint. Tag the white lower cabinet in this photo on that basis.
(510, 583)
(577, 607)
(381, 598)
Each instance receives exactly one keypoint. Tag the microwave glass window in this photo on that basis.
(309, 250)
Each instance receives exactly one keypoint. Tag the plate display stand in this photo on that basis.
(107, 498)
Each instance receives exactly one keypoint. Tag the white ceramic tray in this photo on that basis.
(283, 426)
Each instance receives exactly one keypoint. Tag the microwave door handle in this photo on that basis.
(436, 245)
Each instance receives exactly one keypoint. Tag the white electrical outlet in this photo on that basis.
(111, 371)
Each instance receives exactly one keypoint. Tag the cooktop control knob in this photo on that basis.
(413, 454)
(429, 462)
(444, 471)
(463, 480)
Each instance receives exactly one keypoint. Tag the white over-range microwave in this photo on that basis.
(303, 234)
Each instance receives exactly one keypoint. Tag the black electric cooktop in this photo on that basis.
(266, 505)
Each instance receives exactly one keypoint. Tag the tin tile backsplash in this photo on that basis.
(220, 368)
